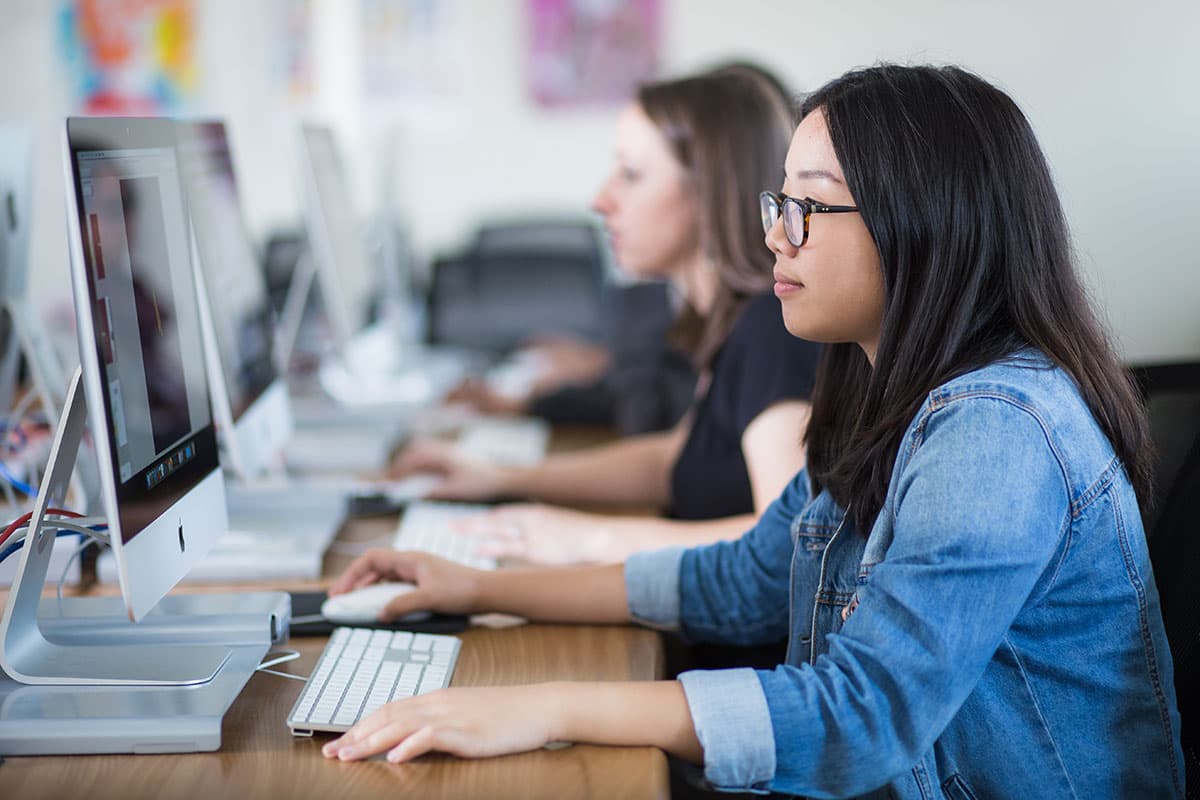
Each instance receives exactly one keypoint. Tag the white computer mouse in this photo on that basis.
(363, 606)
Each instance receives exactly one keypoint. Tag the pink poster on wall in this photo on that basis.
(591, 52)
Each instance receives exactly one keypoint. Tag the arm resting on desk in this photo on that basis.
(633, 471)
(492, 721)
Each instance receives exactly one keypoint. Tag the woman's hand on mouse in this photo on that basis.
(441, 586)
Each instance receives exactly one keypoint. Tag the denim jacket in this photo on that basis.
(997, 634)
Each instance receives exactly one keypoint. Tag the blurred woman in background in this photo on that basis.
(691, 157)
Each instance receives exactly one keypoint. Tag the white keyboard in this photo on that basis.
(515, 441)
(425, 526)
(361, 670)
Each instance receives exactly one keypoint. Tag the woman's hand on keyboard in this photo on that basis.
(462, 477)
(442, 586)
(467, 722)
(539, 534)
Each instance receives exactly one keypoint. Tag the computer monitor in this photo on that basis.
(141, 355)
(250, 400)
(15, 183)
(23, 338)
(336, 238)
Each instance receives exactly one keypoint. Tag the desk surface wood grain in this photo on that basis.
(260, 758)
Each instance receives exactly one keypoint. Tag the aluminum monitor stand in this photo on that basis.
(101, 698)
(27, 656)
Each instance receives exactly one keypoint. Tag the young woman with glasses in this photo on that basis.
(692, 156)
(961, 568)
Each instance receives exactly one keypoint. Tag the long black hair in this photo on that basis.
(977, 264)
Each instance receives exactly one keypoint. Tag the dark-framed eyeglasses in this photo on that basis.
(795, 214)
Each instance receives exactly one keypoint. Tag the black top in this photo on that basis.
(759, 365)
(650, 384)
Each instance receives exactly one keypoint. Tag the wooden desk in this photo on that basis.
(260, 758)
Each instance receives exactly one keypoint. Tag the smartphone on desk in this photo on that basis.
(306, 608)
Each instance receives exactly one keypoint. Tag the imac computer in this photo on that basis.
(134, 673)
(372, 365)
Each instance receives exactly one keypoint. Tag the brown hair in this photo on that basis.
(730, 129)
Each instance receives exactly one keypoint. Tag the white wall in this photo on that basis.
(1110, 88)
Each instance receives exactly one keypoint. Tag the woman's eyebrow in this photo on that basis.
(809, 174)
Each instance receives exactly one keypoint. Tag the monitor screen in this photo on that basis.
(335, 236)
(146, 329)
(240, 306)
(16, 182)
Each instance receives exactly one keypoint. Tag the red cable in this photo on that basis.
(21, 520)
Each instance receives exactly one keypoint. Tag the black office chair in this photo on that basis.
(1175, 554)
(519, 279)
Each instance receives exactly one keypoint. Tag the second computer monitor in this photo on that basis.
(140, 352)
(16, 148)
(249, 397)
(15, 184)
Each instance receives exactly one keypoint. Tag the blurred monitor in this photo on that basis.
(250, 399)
(16, 150)
(336, 239)
(15, 185)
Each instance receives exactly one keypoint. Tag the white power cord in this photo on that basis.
(288, 655)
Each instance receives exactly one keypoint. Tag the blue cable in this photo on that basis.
(15, 547)
(17, 483)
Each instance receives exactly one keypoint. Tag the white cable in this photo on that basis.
(89, 535)
(81, 526)
(78, 526)
(288, 655)
(282, 674)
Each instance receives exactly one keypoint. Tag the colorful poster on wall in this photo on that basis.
(591, 52)
(414, 57)
(129, 56)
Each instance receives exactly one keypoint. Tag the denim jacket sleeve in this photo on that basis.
(733, 592)
(979, 509)
(730, 592)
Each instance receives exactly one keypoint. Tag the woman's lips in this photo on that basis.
(785, 285)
